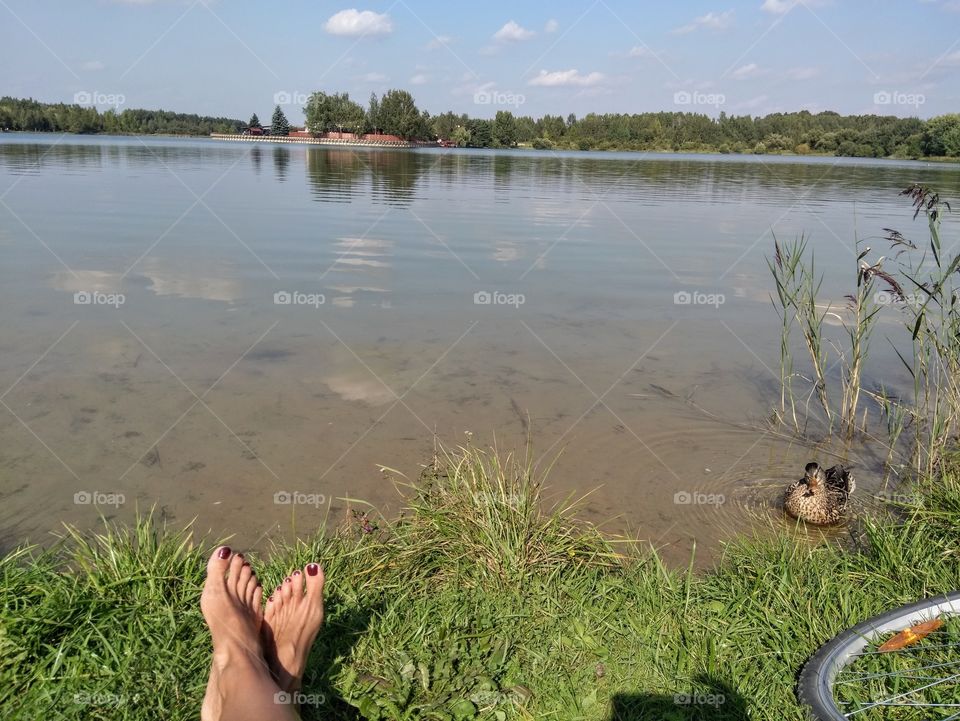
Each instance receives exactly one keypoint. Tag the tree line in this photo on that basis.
(802, 133)
(396, 113)
(34, 116)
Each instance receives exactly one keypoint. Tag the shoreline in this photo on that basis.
(334, 142)
(526, 147)
(517, 611)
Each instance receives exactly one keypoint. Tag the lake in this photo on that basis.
(216, 329)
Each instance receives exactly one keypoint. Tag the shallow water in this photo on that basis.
(202, 396)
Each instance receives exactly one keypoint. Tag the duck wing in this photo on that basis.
(840, 479)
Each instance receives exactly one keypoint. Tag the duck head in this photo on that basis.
(813, 475)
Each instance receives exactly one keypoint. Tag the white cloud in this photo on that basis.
(419, 79)
(374, 78)
(354, 22)
(93, 65)
(712, 20)
(750, 70)
(567, 78)
(782, 7)
(640, 51)
(440, 41)
(778, 7)
(552, 26)
(511, 32)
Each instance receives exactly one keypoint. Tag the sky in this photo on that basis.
(235, 57)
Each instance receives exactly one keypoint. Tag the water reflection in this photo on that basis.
(337, 175)
(188, 281)
(89, 281)
(281, 162)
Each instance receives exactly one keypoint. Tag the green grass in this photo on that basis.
(475, 603)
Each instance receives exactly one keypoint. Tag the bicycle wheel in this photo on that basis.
(850, 677)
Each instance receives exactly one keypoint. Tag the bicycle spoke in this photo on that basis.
(885, 702)
(897, 673)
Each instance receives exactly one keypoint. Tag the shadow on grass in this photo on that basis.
(709, 700)
(341, 630)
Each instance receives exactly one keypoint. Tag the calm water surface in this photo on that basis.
(203, 396)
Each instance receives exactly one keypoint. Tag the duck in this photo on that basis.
(820, 497)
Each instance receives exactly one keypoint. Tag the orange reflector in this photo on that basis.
(910, 635)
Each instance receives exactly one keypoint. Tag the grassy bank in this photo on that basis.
(473, 604)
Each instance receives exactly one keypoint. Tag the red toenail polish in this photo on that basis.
(296, 573)
(288, 580)
(313, 569)
(224, 552)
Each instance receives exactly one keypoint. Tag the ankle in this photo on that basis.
(234, 656)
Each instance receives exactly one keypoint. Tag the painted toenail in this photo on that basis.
(296, 573)
(224, 552)
(288, 580)
(313, 569)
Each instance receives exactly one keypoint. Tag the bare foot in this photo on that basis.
(292, 619)
(230, 603)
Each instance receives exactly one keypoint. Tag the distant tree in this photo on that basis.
(254, 122)
(400, 116)
(571, 120)
(481, 133)
(504, 129)
(551, 127)
(279, 125)
(526, 129)
(346, 114)
(942, 136)
(319, 112)
(461, 136)
(373, 113)
(445, 124)
(775, 142)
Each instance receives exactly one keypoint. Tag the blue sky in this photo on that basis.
(234, 57)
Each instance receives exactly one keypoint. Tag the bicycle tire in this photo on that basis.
(815, 685)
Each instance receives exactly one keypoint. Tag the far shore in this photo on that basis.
(519, 146)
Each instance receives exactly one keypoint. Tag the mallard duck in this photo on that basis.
(821, 496)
